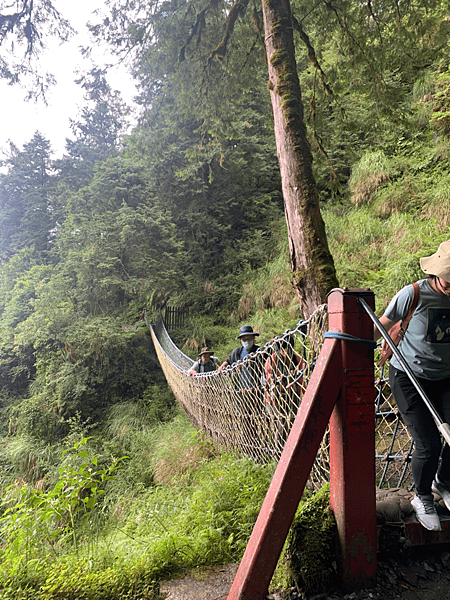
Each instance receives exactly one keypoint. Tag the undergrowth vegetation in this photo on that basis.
(81, 538)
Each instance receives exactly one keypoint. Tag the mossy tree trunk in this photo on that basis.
(313, 270)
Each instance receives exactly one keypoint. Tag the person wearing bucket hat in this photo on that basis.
(205, 363)
(438, 267)
(425, 346)
(246, 330)
(247, 337)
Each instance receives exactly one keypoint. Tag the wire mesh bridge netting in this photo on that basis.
(251, 405)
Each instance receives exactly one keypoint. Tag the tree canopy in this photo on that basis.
(25, 27)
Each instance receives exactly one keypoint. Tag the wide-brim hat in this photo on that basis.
(246, 330)
(438, 263)
(205, 350)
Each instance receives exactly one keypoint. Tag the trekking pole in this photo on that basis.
(444, 428)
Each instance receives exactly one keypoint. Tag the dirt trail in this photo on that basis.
(208, 583)
(423, 574)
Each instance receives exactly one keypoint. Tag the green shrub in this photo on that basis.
(38, 522)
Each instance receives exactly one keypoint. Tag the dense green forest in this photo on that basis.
(106, 487)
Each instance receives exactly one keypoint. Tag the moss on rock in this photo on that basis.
(312, 544)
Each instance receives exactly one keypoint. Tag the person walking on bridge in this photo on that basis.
(284, 370)
(205, 363)
(247, 338)
(425, 346)
(249, 399)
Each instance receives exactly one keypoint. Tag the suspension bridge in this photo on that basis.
(251, 406)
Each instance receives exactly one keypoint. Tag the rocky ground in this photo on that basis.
(404, 571)
(416, 575)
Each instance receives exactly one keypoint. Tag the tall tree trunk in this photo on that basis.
(313, 271)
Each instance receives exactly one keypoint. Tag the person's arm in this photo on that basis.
(194, 369)
(222, 366)
(234, 356)
(398, 309)
(387, 324)
(268, 369)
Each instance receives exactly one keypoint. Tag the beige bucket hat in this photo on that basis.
(438, 263)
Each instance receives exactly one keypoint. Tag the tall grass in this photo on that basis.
(201, 514)
(372, 170)
(380, 253)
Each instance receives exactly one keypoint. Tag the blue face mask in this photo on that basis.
(247, 344)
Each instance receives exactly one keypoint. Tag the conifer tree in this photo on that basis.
(96, 132)
(27, 209)
(25, 26)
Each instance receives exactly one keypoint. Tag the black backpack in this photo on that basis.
(207, 367)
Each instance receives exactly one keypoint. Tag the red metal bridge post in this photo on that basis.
(344, 387)
(352, 441)
(277, 512)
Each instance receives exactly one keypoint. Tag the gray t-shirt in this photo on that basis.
(426, 343)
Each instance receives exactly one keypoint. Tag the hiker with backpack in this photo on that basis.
(424, 342)
(205, 363)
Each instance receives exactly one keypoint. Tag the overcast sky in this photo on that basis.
(20, 119)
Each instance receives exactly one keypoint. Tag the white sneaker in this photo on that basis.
(426, 513)
(438, 488)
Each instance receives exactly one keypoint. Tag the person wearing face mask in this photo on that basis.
(249, 391)
(247, 338)
(426, 348)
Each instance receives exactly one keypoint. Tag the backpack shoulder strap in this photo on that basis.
(413, 306)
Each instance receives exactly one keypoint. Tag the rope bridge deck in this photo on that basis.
(252, 404)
